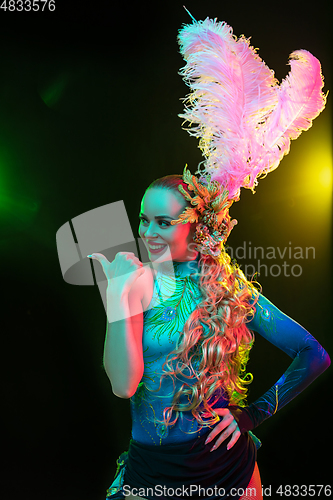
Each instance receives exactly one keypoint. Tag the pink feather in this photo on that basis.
(243, 119)
(300, 100)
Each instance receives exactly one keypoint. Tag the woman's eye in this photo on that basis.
(142, 220)
(163, 223)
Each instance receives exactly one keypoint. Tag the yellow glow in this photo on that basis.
(325, 177)
(315, 162)
(310, 188)
(318, 167)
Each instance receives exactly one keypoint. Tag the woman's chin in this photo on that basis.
(162, 254)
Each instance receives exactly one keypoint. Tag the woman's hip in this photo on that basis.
(183, 466)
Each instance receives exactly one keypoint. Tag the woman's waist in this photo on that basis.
(149, 426)
(150, 429)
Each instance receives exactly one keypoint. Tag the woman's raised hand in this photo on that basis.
(122, 272)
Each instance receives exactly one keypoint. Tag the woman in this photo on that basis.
(155, 313)
(180, 329)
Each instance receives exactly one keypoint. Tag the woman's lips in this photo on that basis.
(156, 247)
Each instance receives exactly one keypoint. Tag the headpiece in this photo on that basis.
(211, 209)
(243, 118)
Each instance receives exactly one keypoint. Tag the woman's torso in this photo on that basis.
(168, 301)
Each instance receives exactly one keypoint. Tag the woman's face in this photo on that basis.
(158, 208)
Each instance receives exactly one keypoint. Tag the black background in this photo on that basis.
(89, 98)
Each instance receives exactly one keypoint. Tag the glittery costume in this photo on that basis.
(161, 326)
(146, 464)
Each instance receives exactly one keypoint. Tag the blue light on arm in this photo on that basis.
(309, 360)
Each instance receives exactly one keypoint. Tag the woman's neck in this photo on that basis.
(179, 268)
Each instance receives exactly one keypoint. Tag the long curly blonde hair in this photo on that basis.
(217, 355)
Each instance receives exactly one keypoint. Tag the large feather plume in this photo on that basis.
(237, 109)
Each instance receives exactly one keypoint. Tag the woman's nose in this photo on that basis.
(150, 230)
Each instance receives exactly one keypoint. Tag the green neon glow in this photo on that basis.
(52, 93)
(21, 207)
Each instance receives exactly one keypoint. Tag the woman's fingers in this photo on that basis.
(125, 266)
(222, 426)
(100, 257)
(234, 438)
(102, 260)
(233, 430)
(227, 419)
(228, 426)
(97, 256)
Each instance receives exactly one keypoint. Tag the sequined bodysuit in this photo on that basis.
(163, 322)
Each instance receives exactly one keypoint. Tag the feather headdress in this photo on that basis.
(242, 116)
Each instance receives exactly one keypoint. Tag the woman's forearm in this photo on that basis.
(123, 358)
(305, 368)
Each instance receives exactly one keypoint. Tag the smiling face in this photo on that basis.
(159, 207)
